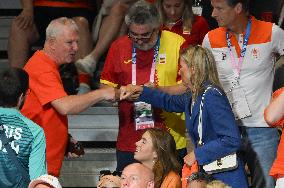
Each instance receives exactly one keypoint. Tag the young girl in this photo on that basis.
(157, 151)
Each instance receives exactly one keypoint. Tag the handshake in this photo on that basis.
(129, 92)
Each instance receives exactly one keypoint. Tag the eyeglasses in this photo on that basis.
(145, 37)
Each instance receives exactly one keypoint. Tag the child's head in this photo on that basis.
(198, 180)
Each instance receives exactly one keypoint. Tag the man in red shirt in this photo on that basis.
(145, 56)
(48, 104)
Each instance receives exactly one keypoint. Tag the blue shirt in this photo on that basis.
(29, 145)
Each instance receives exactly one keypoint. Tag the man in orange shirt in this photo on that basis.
(48, 104)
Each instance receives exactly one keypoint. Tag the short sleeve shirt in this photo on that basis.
(118, 71)
(46, 86)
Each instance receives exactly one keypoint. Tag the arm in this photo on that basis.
(220, 132)
(74, 104)
(37, 160)
(206, 42)
(170, 103)
(274, 112)
(279, 62)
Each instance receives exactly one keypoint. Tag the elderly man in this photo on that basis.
(137, 175)
(244, 50)
(146, 56)
(48, 104)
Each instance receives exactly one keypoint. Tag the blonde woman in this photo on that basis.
(220, 133)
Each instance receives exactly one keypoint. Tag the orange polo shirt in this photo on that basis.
(46, 86)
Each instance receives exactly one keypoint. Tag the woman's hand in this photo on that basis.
(130, 92)
(189, 159)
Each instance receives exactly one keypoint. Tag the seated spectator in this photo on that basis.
(157, 151)
(112, 26)
(221, 136)
(45, 181)
(27, 141)
(48, 104)
(137, 175)
(274, 116)
(217, 184)
(29, 27)
(198, 180)
(177, 16)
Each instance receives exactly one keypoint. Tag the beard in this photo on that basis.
(147, 46)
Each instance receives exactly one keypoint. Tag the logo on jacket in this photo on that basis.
(127, 61)
(255, 53)
(224, 55)
(162, 58)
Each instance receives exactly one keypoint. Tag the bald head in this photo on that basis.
(138, 176)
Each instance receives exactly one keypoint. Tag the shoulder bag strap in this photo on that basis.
(199, 128)
(12, 154)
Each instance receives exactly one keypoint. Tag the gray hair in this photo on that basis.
(143, 12)
(55, 27)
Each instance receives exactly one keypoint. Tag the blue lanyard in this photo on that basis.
(238, 66)
(134, 58)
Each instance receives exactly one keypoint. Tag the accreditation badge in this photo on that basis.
(143, 115)
(238, 101)
(197, 10)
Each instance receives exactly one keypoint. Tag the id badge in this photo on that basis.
(197, 10)
(239, 104)
(143, 115)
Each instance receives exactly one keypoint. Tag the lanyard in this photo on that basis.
(134, 58)
(237, 67)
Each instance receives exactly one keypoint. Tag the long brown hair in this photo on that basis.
(187, 16)
(202, 61)
(165, 147)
